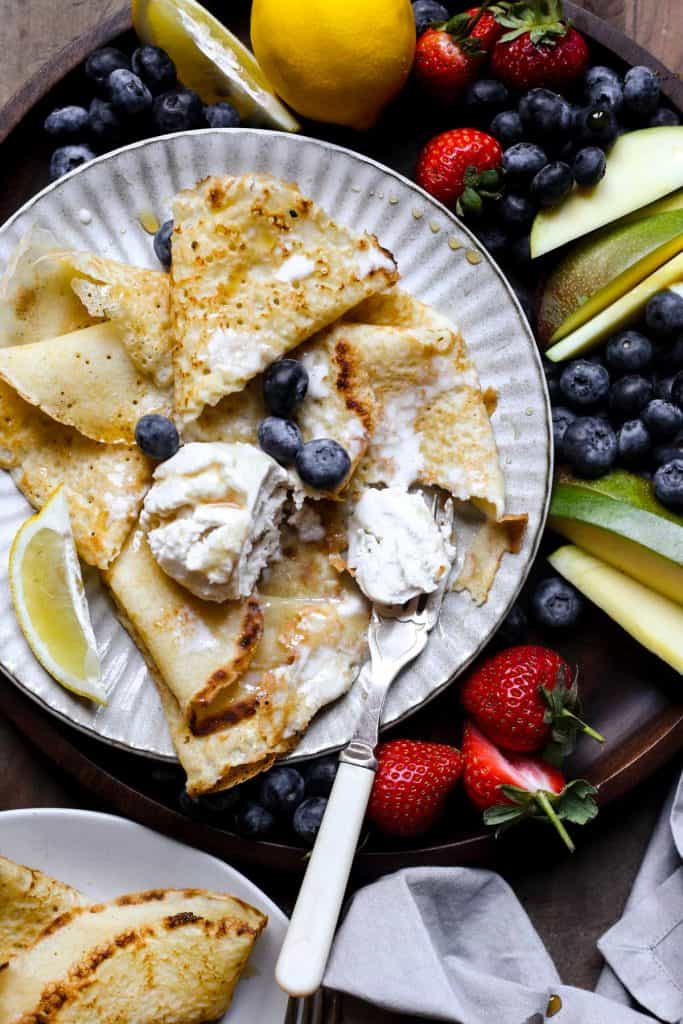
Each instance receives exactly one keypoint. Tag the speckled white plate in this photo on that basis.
(99, 208)
(104, 857)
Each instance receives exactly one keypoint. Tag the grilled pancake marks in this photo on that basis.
(257, 269)
(156, 957)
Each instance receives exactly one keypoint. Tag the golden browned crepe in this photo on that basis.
(157, 957)
(29, 902)
(257, 269)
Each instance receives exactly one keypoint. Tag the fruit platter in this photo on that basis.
(529, 164)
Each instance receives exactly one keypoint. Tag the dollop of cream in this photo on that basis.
(212, 517)
(396, 550)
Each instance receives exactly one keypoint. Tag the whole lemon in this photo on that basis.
(335, 60)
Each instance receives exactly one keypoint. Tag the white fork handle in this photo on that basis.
(304, 954)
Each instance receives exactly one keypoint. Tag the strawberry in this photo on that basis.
(460, 166)
(487, 30)
(445, 64)
(539, 48)
(524, 698)
(412, 782)
(509, 788)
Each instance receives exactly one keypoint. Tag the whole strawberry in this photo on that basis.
(510, 787)
(449, 56)
(524, 698)
(459, 167)
(540, 48)
(411, 786)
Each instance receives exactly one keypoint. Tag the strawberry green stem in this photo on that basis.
(593, 733)
(547, 807)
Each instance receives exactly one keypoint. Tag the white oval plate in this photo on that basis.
(437, 258)
(104, 857)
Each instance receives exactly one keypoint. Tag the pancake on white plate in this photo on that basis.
(29, 902)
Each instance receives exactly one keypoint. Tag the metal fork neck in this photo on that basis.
(360, 754)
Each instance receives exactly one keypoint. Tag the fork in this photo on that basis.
(322, 1008)
(395, 637)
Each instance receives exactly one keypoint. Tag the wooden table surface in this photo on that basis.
(571, 901)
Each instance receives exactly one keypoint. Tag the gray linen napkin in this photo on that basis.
(454, 944)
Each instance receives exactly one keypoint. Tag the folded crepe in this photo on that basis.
(86, 380)
(136, 301)
(257, 269)
(157, 957)
(312, 643)
(434, 427)
(36, 298)
(29, 902)
(105, 484)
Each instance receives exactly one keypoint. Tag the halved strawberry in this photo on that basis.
(411, 786)
(509, 788)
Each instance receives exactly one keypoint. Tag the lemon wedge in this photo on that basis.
(210, 59)
(49, 599)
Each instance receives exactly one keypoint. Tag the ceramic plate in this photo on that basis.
(104, 857)
(100, 207)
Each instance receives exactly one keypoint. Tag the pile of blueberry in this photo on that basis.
(551, 143)
(623, 405)
(286, 803)
(135, 97)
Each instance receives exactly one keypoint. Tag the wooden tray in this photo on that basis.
(629, 695)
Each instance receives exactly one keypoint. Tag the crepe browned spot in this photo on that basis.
(257, 269)
(160, 955)
(105, 484)
(29, 902)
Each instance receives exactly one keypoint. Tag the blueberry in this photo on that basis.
(221, 115)
(156, 69)
(556, 604)
(664, 453)
(493, 238)
(676, 352)
(523, 161)
(519, 252)
(641, 91)
(663, 388)
(663, 419)
(68, 158)
(545, 114)
(128, 93)
(281, 790)
(607, 94)
(101, 63)
(664, 314)
(562, 418)
(178, 110)
(104, 122)
(517, 211)
(254, 821)
(320, 776)
(157, 436)
(514, 627)
(281, 439)
(552, 184)
(285, 384)
(677, 390)
(218, 804)
(634, 443)
(590, 445)
(486, 96)
(584, 384)
(596, 126)
(668, 484)
(308, 818)
(163, 241)
(67, 122)
(323, 464)
(552, 373)
(664, 117)
(428, 12)
(628, 352)
(629, 395)
(507, 128)
(600, 73)
(589, 166)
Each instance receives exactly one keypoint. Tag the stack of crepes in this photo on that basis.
(165, 955)
(90, 345)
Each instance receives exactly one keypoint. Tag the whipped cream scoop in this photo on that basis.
(395, 548)
(212, 517)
